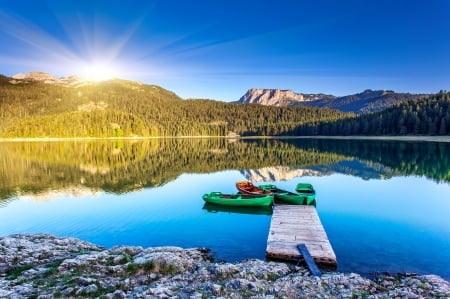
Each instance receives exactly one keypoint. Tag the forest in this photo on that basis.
(427, 116)
(120, 108)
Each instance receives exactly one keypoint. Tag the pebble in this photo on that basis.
(45, 266)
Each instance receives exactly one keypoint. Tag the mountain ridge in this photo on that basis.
(364, 102)
(278, 97)
(39, 105)
(31, 108)
(37, 76)
(66, 81)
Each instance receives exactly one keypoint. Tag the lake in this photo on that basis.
(385, 205)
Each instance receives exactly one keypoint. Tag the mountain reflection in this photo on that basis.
(37, 168)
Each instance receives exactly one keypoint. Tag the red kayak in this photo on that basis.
(247, 187)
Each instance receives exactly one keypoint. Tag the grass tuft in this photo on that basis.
(14, 273)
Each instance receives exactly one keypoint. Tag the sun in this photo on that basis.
(98, 72)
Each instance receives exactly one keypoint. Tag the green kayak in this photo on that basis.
(306, 190)
(287, 196)
(239, 200)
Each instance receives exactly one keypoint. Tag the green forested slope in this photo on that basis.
(427, 116)
(126, 108)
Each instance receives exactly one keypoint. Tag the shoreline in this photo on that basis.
(46, 266)
(381, 138)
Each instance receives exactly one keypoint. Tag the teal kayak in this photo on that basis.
(239, 200)
(287, 196)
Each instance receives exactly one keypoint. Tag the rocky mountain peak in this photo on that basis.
(70, 81)
(278, 97)
(367, 101)
(36, 76)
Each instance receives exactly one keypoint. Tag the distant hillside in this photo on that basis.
(367, 101)
(40, 105)
(427, 116)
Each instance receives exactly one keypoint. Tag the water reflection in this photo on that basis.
(33, 168)
(384, 205)
(212, 208)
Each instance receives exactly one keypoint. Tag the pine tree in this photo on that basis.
(442, 127)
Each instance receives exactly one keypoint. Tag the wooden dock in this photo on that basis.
(298, 224)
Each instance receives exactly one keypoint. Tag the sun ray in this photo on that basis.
(95, 55)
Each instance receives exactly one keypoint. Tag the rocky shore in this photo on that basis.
(45, 266)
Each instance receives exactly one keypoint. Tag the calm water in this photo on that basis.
(384, 205)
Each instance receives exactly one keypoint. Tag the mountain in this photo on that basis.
(366, 101)
(277, 97)
(70, 81)
(37, 105)
(34, 76)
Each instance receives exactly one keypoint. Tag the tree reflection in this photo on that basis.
(123, 166)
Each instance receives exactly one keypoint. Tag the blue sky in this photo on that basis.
(219, 49)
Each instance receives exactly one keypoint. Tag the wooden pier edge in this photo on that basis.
(292, 225)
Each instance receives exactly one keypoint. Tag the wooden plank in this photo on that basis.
(292, 225)
(298, 229)
(298, 224)
(292, 246)
(309, 260)
(294, 238)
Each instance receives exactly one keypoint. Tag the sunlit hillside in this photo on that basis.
(117, 108)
